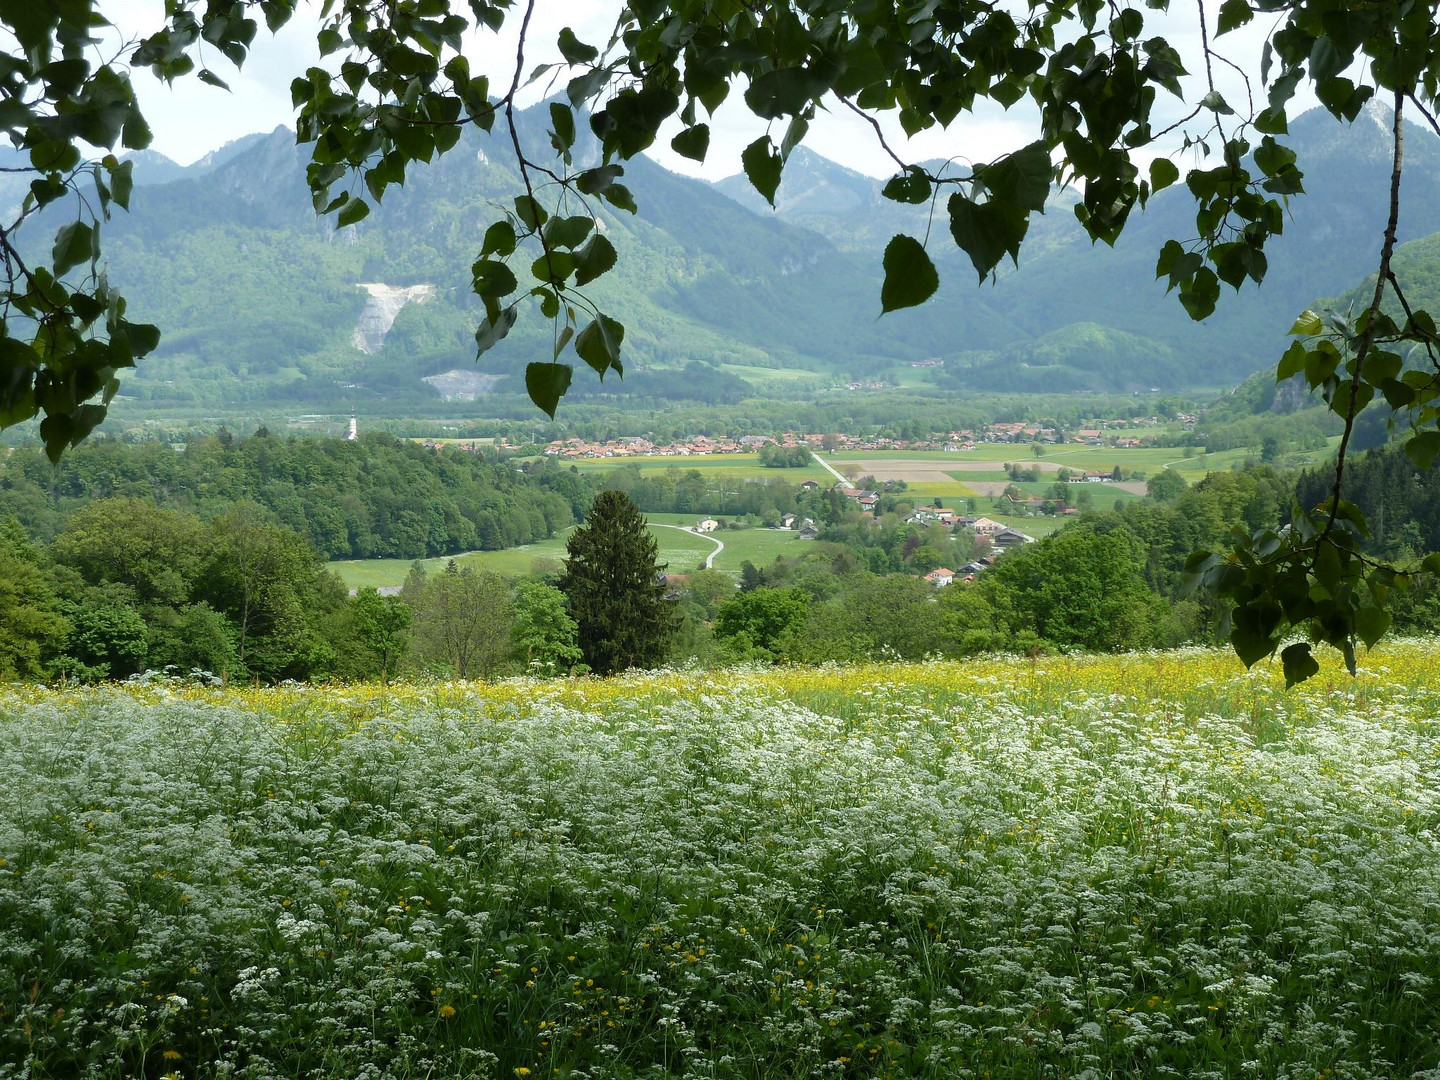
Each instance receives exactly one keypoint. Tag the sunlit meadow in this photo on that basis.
(1147, 866)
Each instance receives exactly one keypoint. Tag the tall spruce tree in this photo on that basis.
(616, 588)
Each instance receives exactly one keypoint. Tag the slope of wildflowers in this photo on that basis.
(1142, 866)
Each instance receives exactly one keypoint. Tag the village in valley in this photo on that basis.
(1121, 434)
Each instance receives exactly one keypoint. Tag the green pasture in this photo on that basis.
(759, 546)
(1147, 459)
(717, 466)
(1146, 866)
(683, 552)
(752, 374)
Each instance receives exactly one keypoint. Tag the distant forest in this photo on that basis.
(376, 497)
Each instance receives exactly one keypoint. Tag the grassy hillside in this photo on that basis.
(1149, 866)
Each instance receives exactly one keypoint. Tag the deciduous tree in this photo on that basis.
(462, 620)
(383, 623)
(544, 638)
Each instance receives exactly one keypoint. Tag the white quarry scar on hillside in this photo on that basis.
(383, 303)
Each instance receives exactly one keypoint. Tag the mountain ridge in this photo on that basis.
(260, 300)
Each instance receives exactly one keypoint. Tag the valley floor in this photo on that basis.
(1148, 865)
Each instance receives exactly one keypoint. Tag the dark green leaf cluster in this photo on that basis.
(64, 336)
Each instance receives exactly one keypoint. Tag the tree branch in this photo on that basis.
(515, 136)
(1410, 319)
(1367, 336)
(879, 134)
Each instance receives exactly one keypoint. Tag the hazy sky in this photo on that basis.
(192, 119)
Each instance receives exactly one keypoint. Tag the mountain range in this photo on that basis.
(262, 302)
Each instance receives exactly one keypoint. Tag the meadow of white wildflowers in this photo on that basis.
(1154, 866)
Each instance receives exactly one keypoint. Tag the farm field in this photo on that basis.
(759, 546)
(1155, 865)
(990, 456)
(717, 466)
(789, 376)
(927, 474)
(683, 551)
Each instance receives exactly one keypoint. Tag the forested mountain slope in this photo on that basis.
(1068, 298)
(260, 301)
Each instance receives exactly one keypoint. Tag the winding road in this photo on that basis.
(719, 544)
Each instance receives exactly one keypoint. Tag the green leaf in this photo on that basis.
(568, 232)
(353, 211)
(1423, 448)
(693, 142)
(1308, 324)
(596, 181)
(1216, 104)
(783, 91)
(491, 277)
(1199, 295)
(1249, 646)
(55, 432)
(562, 121)
(911, 186)
(634, 116)
(599, 344)
(208, 77)
(74, 244)
(910, 276)
(595, 258)
(574, 50)
(762, 166)
(1020, 179)
(491, 331)
(1299, 665)
(530, 212)
(553, 267)
(122, 182)
(584, 87)
(1233, 13)
(987, 232)
(499, 239)
(1163, 173)
(618, 196)
(546, 385)
(1292, 363)
(562, 339)
(1371, 624)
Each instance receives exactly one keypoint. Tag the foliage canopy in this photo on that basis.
(399, 87)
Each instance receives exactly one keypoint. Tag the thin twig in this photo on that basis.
(1410, 319)
(1178, 123)
(879, 134)
(515, 139)
(1424, 112)
(1372, 312)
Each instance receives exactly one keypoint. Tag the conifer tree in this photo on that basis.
(616, 588)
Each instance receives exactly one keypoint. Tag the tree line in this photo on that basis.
(375, 497)
(129, 586)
